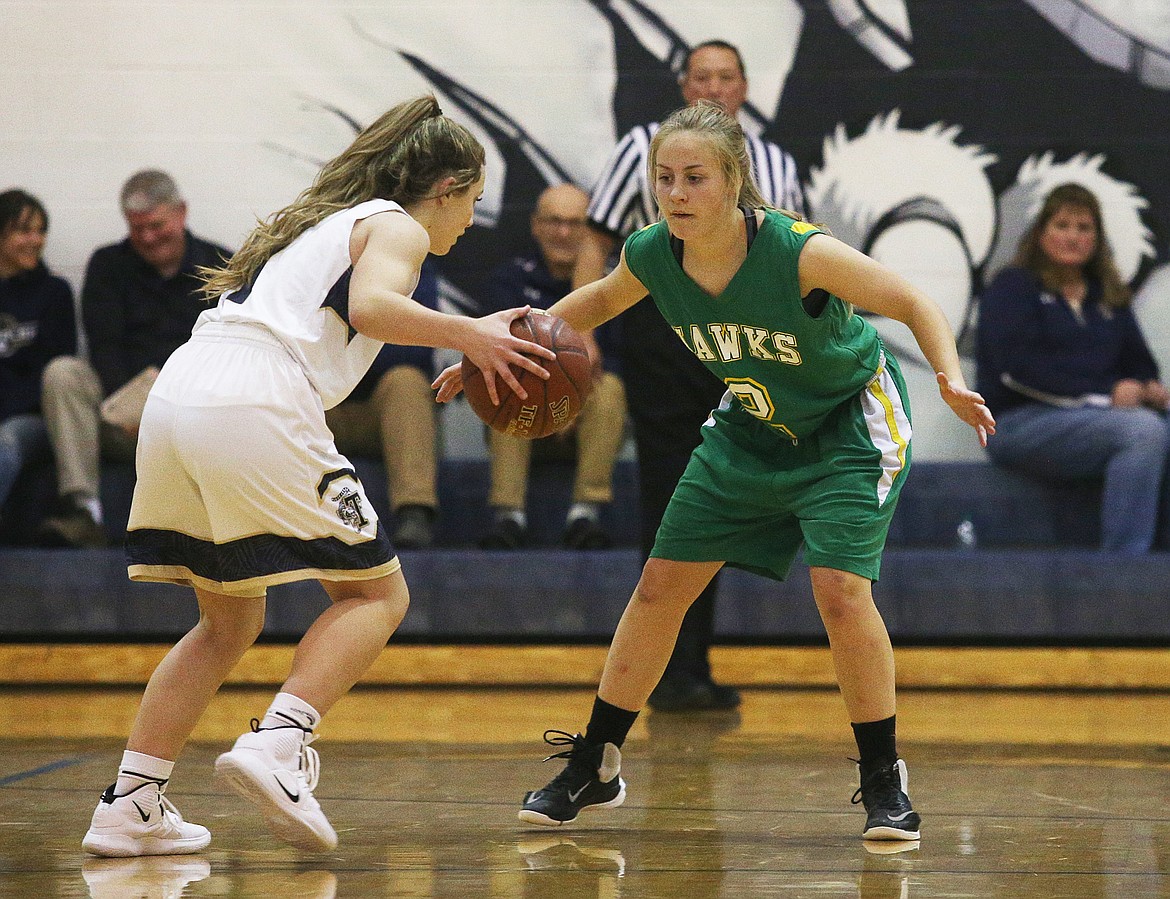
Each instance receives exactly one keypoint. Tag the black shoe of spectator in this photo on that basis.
(585, 533)
(724, 697)
(687, 693)
(72, 527)
(414, 528)
(505, 533)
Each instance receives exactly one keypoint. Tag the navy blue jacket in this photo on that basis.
(526, 281)
(37, 322)
(1031, 337)
(134, 317)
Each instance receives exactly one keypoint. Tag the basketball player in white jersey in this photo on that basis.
(240, 485)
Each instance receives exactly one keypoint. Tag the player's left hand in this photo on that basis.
(968, 405)
(449, 383)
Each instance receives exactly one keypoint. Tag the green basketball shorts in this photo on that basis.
(750, 497)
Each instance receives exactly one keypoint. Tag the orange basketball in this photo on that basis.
(552, 404)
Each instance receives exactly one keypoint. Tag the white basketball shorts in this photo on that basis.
(239, 483)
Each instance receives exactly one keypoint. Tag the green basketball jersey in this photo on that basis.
(785, 367)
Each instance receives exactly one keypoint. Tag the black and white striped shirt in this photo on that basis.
(623, 198)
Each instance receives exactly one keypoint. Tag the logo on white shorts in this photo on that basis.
(349, 509)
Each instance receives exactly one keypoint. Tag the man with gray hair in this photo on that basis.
(139, 302)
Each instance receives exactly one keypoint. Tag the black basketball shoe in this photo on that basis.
(889, 813)
(590, 780)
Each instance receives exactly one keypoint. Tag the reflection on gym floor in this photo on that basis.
(730, 805)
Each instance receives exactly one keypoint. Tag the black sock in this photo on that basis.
(609, 724)
(876, 743)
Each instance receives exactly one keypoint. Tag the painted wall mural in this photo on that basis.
(927, 131)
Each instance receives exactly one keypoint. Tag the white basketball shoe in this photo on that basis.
(142, 822)
(276, 769)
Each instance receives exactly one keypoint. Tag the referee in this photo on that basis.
(669, 392)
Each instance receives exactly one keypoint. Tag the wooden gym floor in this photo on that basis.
(1034, 777)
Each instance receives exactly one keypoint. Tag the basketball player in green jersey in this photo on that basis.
(811, 445)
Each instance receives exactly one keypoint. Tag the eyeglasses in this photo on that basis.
(556, 221)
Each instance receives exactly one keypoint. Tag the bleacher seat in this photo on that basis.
(1033, 575)
(1005, 509)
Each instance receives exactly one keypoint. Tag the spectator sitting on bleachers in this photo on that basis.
(1067, 373)
(37, 323)
(540, 279)
(391, 415)
(139, 302)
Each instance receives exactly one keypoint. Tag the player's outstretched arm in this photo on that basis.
(831, 265)
(599, 301)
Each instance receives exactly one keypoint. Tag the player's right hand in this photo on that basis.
(493, 349)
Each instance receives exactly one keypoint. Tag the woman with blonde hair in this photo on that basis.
(810, 445)
(1064, 365)
(240, 485)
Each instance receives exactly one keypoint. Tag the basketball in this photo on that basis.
(552, 404)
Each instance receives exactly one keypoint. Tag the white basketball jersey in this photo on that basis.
(301, 295)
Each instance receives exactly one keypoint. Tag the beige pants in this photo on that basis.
(599, 437)
(71, 404)
(397, 423)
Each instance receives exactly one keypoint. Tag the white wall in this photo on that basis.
(233, 99)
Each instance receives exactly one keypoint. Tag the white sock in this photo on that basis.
(138, 768)
(287, 709)
(583, 510)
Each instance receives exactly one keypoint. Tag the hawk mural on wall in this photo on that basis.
(927, 134)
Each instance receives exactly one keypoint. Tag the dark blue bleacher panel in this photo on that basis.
(1006, 509)
(925, 595)
(464, 513)
(1033, 577)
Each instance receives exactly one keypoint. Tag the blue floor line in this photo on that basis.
(44, 769)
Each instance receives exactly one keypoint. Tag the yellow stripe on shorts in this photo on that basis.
(888, 426)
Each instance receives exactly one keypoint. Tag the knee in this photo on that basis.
(388, 597)
(66, 375)
(608, 395)
(660, 602)
(661, 593)
(63, 370)
(234, 632)
(9, 444)
(404, 380)
(396, 604)
(392, 609)
(1144, 428)
(840, 595)
(11, 458)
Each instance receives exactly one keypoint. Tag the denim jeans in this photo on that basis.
(1126, 447)
(22, 437)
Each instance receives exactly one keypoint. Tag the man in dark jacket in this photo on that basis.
(139, 302)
